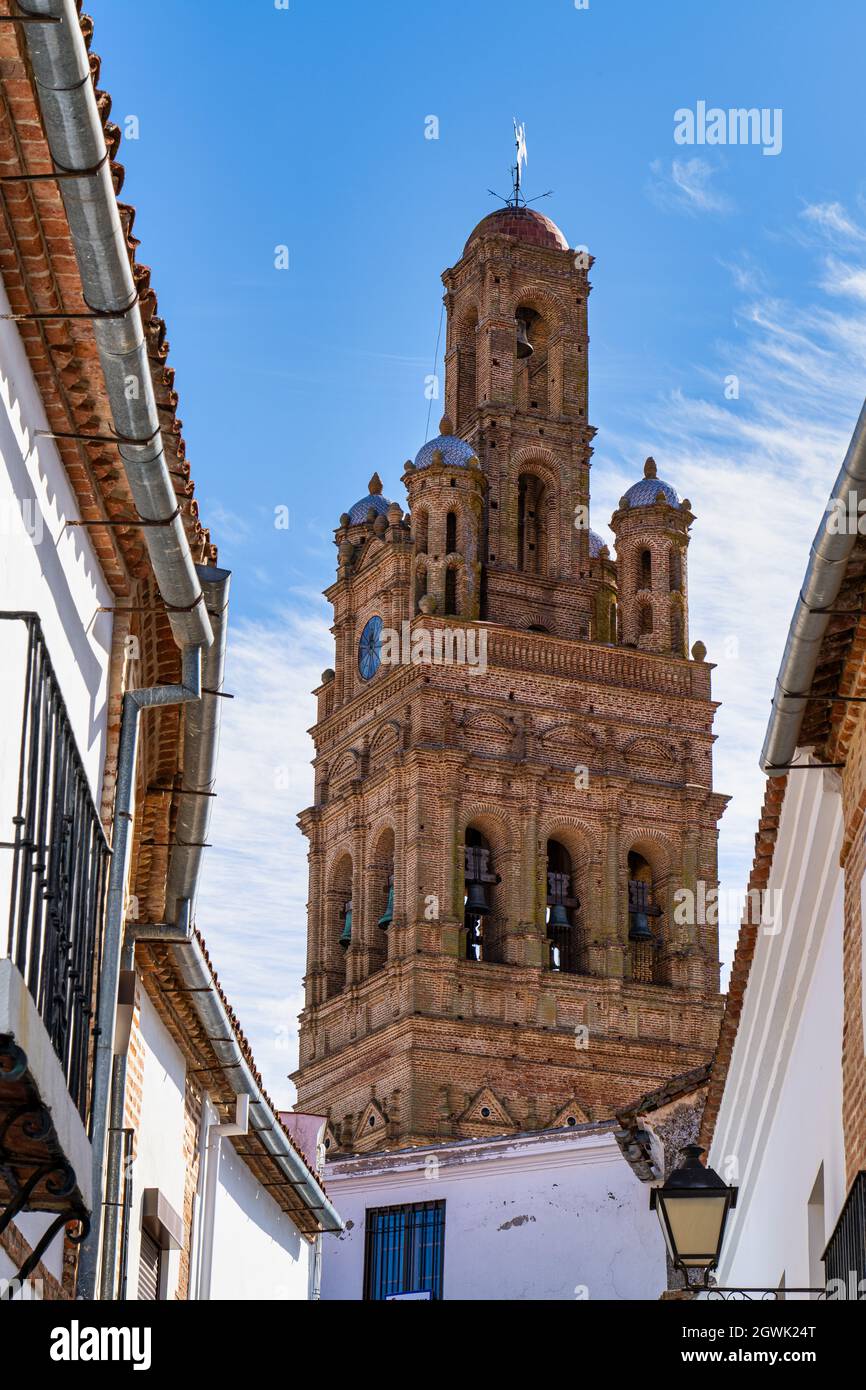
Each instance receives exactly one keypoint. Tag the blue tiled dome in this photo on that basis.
(455, 451)
(374, 499)
(644, 493)
(596, 543)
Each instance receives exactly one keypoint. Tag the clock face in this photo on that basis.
(369, 648)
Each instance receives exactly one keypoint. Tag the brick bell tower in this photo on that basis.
(513, 770)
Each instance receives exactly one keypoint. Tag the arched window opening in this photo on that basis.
(532, 525)
(450, 533)
(562, 909)
(645, 570)
(420, 586)
(422, 527)
(612, 622)
(531, 339)
(451, 592)
(675, 569)
(477, 901)
(339, 925)
(380, 900)
(643, 913)
(677, 634)
(645, 620)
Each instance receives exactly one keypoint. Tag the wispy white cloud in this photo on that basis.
(687, 186)
(758, 470)
(834, 219)
(252, 903)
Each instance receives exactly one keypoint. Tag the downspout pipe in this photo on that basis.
(828, 561)
(200, 746)
(61, 70)
(134, 704)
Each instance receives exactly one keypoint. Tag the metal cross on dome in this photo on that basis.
(517, 199)
(522, 157)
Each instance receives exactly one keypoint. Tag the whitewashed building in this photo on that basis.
(554, 1215)
(778, 1133)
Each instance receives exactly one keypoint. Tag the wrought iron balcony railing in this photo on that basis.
(58, 871)
(845, 1256)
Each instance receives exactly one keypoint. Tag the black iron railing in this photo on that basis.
(845, 1256)
(59, 863)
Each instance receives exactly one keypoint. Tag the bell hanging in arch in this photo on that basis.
(346, 934)
(639, 928)
(476, 900)
(558, 916)
(388, 915)
(524, 346)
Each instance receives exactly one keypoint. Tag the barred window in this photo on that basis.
(404, 1251)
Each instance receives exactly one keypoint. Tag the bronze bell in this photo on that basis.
(524, 346)
(558, 916)
(388, 915)
(346, 934)
(476, 900)
(639, 928)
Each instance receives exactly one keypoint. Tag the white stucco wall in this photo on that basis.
(781, 1113)
(556, 1216)
(258, 1252)
(159, 1156)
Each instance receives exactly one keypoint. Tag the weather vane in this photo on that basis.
(517, 199)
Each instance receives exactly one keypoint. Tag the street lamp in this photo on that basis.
(693, 1208)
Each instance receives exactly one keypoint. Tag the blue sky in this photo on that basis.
(261, 127)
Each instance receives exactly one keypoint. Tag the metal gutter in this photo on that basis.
(828, 561)
(61, 71)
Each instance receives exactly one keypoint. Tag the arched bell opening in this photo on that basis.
(421, 530)
(562, 911)
(451, 533)
(532, 530)
(340, 914)
(479, 898)
(645, 620)
(531, 338)
(644, 919)
(381, 898)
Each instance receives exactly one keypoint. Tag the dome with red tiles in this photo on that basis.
(525, 224)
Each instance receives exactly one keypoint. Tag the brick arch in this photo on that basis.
(656, 847)
(577, 836)
(531, 296)
(332, 863)
(481, 814)
(537, 457)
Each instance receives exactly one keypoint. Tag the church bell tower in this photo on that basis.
(513, 773)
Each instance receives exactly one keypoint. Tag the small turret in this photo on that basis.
(651, 526)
